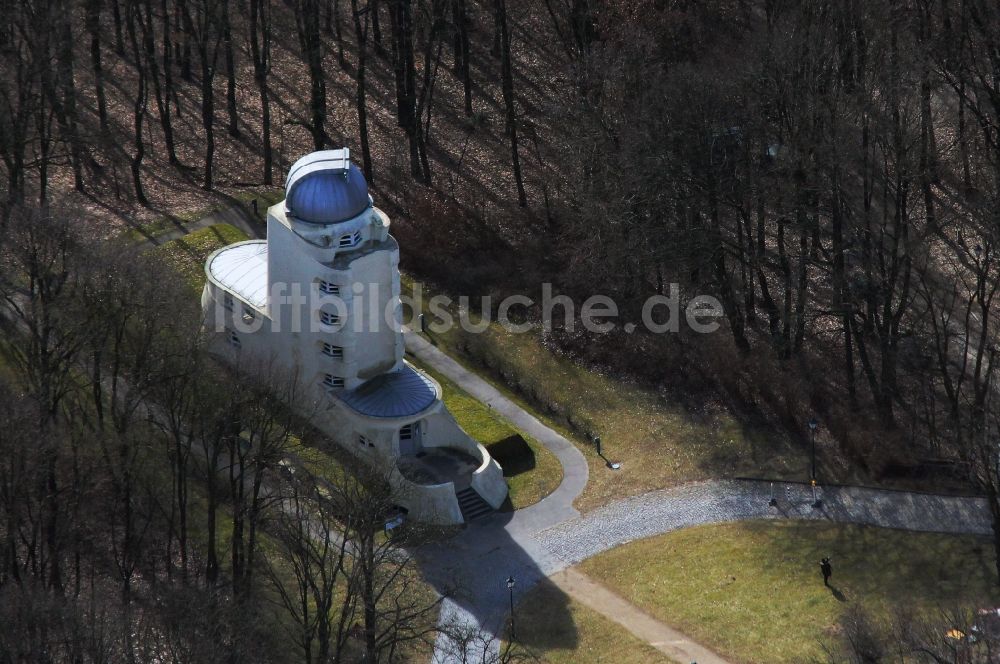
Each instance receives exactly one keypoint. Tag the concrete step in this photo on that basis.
(472, 505)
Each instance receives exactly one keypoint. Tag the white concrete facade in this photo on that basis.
(320, 299)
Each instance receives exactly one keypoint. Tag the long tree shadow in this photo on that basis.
(472, 570)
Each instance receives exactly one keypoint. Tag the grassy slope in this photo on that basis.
(754, 592)
(580, 635)
(188, 253)
(526, 488)
(657, 442)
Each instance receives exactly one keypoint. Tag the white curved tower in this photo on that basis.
(320, 297)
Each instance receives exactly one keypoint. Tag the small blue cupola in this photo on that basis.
(324, 187)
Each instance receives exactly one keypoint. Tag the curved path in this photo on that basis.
(544, 540)
(555, 508)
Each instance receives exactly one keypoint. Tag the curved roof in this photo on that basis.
(242, 269)
(325, 187)
(396, 394)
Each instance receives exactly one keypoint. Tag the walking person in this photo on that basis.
(827, 569)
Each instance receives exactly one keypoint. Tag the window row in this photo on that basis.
(350, 240)
(332, 382)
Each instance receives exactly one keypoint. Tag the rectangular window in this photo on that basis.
(332, 351)
(351, 240)
(329, 288)
(328, 318)
(406, 432)
(227, 302)
(234, 340)
(362, 440)
(332, 382)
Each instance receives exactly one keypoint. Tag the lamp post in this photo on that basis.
(817, 502)
(510, 589)
(812, 440)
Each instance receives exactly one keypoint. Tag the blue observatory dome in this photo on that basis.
(325, 187)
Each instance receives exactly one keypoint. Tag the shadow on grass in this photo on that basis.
(543, 621)
(472, 569)
(513, 454)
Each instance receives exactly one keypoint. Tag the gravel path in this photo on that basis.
(737, 500)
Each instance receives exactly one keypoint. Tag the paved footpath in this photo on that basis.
(613, 606)
(235, 215)
(555, 508)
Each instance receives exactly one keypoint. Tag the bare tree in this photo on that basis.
(312, 573)
(203, 24)
(260, 51)
(507, 80)
(311, 43)
(361, 96)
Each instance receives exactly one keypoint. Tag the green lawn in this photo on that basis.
(531, 475)
(657, 442)
(559, 630)
(753, 591)
(188, 253)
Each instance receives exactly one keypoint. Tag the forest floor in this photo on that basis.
(469, 157)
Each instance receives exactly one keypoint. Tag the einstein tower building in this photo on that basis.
(319, 298)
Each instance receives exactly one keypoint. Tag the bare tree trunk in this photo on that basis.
(260, 49)
(208, 122)
(227, 40)
(466, 69)
(311, 42)
(94, 28)
(374, 6)
(361, 34)
(338, 30)
(499, 18)
(507, 75)
(140, 104)
(160, 93)
(117, 14)
(168, 86)
(67, 86)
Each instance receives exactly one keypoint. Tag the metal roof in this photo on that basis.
(242, 269)
(324, 187)
(396, 394)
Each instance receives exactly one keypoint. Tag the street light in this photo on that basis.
(817, 502)
(812, 438)
(510, 589)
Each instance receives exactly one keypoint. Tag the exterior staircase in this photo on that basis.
(472, 505)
